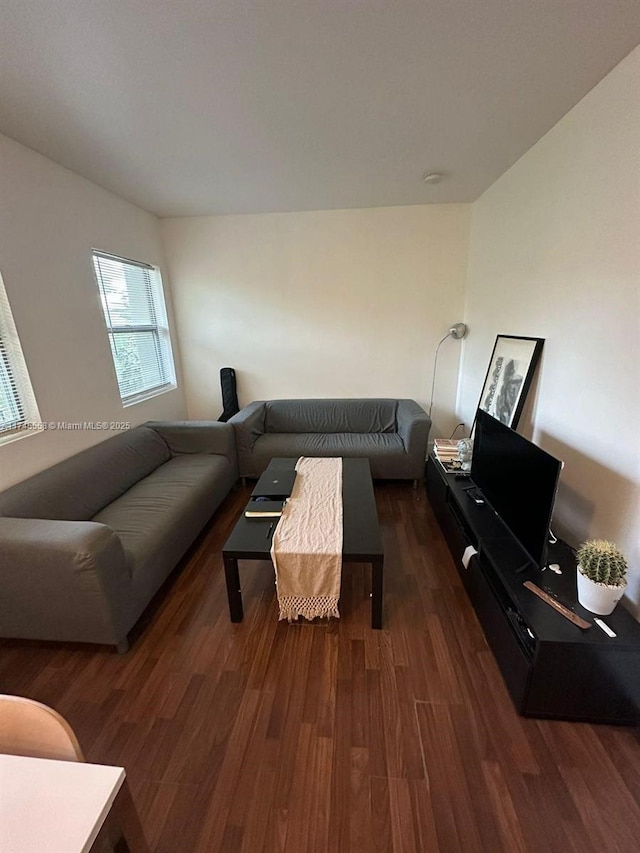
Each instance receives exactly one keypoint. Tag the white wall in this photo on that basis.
(50, 219)
(555, 253)
(320, 304)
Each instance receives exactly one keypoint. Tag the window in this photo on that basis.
(18, 409)
(136, 317)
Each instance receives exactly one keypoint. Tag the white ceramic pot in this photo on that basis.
(599, 598)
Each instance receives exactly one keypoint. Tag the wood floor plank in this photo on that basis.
(331, 737)
(510, 830)
(360, 826)
(402, 828)
(424, 825)
(255, 838)
(456, 825)
(380, 816)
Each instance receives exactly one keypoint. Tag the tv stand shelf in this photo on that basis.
(551, 667)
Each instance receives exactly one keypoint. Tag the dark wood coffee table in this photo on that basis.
(362, 542)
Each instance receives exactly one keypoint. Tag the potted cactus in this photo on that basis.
(602, 570)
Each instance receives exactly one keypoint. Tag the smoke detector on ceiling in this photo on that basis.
(432, 177)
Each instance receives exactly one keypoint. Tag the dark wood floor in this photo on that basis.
(313, 738)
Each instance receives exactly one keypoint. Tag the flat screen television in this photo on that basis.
(519, 480)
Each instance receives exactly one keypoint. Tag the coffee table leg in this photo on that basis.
(233, 588)
(377, 566)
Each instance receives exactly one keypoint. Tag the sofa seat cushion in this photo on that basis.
(79, 487)
(330, 416)
(377, 447)
(158, 518)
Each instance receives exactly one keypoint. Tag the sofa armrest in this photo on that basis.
(197, 437)
(413, 428)
(63, 580)
(248, 424)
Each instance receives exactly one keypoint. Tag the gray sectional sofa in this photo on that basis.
(392, 434)
(86, 544)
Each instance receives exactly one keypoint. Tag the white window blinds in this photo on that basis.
(136, 317)
(18, 410)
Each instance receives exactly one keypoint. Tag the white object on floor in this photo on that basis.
(48, 806)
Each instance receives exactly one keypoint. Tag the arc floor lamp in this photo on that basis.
(457, 332)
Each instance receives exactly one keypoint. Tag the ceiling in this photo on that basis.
(248, 106)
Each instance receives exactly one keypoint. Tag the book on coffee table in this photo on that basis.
(264, 509)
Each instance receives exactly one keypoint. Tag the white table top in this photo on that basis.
(53, 806)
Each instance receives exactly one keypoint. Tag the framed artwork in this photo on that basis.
(511, 369)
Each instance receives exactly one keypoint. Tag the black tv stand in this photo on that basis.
(551, 667)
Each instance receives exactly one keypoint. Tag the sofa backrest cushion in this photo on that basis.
(79, 487)
(330, 416)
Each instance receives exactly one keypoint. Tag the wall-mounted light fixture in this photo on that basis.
(457, 332)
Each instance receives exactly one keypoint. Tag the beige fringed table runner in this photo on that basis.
(307, 544)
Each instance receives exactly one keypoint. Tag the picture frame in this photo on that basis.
(509, 376)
